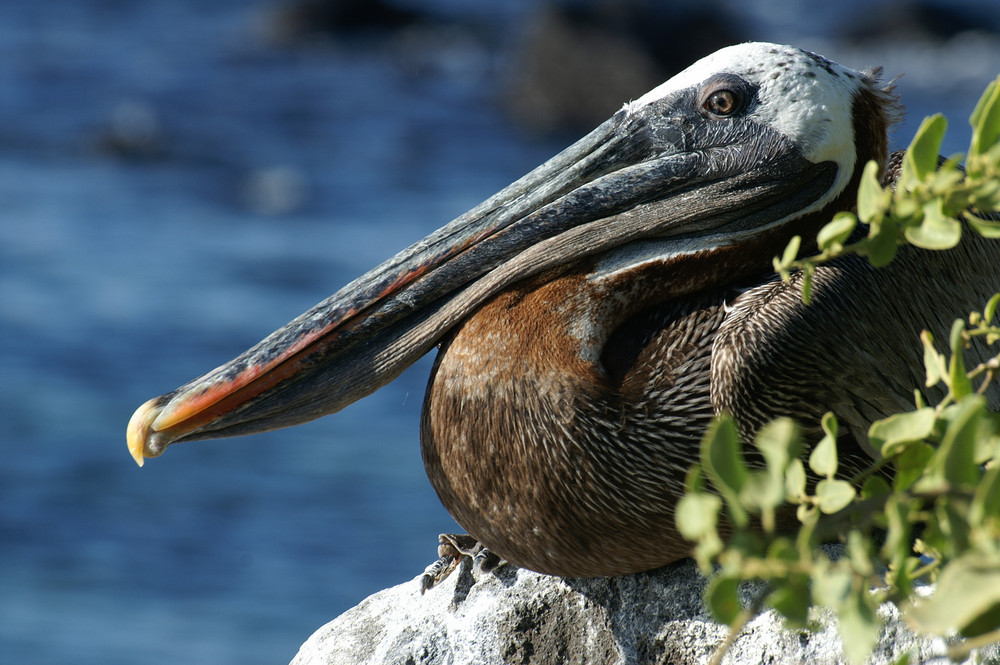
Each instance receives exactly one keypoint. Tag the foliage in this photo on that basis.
(935, 490)
(925, 207)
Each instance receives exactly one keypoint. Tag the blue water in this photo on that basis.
(257, 180)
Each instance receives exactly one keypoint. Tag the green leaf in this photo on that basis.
(897, 546)
(747, 544)
(987, 438)
(987, 228)
(795, 481)
(958, 446)
(783, 271)
(829, 424)
(936, 230)
(872, 199)
(697, 515)
(831, 584)
(834, 495)
(859, 625)
(858, 552)
(985, 195)
(723, 598)
(791, 251)
(967, 598)
(953, 463)
(922, 155)
(705, 552)
(958, 379)
(991, 308)
(779, 442)
(985, 120)
(934, 362)
(782, 549)
(906, 207)
(949, 531)
(823, 459)
(805, 540)
(693, 482)
(882, 244)
(910, 464)
(832, 236)
(890, 435)
(986, 622)
(807, 282)
(763, 493)
(902, 576)
(722, 459)
(792, 598)
(947, 176)
(874, 487)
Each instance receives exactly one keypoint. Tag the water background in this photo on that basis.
(174, 186)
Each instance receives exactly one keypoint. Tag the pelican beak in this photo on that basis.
(658, 174)
(138, 428)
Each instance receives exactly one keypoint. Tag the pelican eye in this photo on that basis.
(726, 95)
(722, 103)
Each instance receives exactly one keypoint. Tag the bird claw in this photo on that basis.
(451, 550)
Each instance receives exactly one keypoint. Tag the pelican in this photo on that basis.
(593, 316)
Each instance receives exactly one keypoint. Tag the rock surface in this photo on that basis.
(516, 616)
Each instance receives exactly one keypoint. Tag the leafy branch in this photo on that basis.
(927, 204)
(934, 490)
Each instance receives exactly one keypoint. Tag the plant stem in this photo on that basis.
(961, 651)
(737, 626)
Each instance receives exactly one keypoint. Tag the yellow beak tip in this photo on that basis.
(139, 428)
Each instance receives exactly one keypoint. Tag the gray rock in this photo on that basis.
(516, 616)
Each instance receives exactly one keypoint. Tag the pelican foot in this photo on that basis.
(451, 549)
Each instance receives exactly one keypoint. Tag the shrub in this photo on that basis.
(935, 491)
